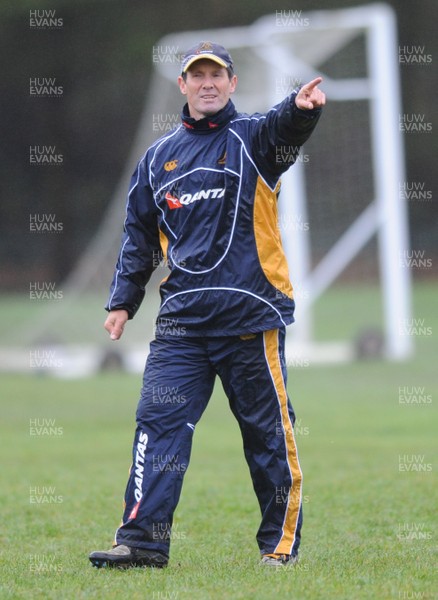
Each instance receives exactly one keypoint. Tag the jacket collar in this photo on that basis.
(208, 124)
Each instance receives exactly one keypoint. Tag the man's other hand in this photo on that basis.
(115, 323)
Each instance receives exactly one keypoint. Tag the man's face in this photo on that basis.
(207, 87)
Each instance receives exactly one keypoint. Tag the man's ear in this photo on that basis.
(233, 83)
(182, 85)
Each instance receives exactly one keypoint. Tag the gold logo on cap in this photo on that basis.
(206, 46)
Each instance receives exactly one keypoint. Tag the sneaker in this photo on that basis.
(279, 560)
(124, 557)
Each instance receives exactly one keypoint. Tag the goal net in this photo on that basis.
(341, 217)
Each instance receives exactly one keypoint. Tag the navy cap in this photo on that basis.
(208, 50)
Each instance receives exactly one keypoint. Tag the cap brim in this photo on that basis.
(208, 56)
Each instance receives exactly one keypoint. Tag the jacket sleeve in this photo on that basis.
(140, 250)
(279, 135)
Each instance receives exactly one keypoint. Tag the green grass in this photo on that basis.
(351, 431)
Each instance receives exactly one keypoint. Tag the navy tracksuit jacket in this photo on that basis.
(204, 197)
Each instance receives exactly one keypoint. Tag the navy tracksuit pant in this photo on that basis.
(177, 385)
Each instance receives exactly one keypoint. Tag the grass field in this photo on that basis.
(370, 516)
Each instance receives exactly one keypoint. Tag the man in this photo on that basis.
(204, 197)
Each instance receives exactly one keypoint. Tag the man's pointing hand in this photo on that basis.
(310, 96)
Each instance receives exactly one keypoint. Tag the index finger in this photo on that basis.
(312, 84)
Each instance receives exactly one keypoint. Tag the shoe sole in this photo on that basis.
(279, 564)
(102, 563)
